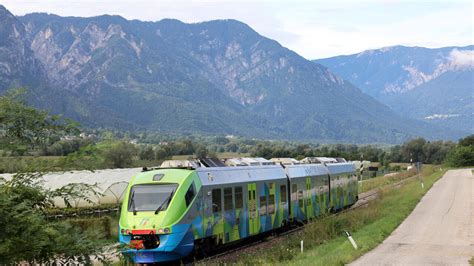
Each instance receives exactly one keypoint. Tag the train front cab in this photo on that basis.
(153, 226)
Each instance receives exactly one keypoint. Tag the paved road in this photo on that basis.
(439, 231)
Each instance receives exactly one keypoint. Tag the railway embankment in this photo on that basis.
(324, 239)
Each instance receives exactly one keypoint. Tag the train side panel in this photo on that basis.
(343, 185)
(239, 202)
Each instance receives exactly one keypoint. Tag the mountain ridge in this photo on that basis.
(393, 75)
(216, 77)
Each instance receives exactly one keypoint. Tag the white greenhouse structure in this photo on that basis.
(110, 184)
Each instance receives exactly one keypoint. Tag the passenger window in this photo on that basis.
(294, 189)
(238, 198)
(271, 204)
(190, 194)
(283, 194)
(263, 205)
(228, 205)
(300, 198)
(216, 200)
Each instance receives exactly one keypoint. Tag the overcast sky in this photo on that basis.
(314, 29)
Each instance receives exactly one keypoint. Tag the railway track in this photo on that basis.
(364, 199)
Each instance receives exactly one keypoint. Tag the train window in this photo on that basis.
(300, 199)
(263, 205)
(283, 194)
(190, 194)
(270, 186)
(239, 200)
(294, 190)
(216, 200)
(228, 204)
(271, 204)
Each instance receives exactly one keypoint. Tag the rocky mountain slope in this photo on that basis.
(217, 77)
(435, 85)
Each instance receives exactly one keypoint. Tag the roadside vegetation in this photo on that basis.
(27, 235)
(380, 181)
(324, 240)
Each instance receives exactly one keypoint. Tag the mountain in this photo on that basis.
(18, 65)
(216, 77)
(434, 85)
(445, 100)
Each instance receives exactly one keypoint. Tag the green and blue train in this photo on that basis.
(169, 213)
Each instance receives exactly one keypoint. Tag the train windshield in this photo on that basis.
(154, 197)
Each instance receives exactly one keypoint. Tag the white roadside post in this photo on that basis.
(301, 246)
(418, 168)
(349, 236)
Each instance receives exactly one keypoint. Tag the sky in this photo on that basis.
(314, 29)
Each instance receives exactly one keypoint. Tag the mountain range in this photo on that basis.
(434, 85)
(216, 77)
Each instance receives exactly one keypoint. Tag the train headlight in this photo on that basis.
(165, 230)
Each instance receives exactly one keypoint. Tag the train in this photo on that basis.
(169, 212)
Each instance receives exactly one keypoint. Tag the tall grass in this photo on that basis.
(380, 181)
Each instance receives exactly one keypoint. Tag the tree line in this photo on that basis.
(124, 153)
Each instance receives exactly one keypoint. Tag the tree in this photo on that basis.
(463, 154)
(413, 149)
(23, 127)
(201, 151)
(26, 235)
(120, 154)
(147, 153)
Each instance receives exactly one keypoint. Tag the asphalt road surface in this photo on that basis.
(439, 231)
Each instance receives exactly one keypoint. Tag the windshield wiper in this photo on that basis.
(132, 202)
(167, 201)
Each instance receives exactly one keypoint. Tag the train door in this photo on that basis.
(218, 225)
(252, 208)
(309, 199)
(318, 190)
(283, 203)
(294, 200)
(326, 190)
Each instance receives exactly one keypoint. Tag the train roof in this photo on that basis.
(238, 174)
(165, 175)
(339, 168)
(285, 161)
(304, 170)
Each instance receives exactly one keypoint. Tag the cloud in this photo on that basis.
(462, 58)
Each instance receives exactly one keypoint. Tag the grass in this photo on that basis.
(324, 240)
(377, 182)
